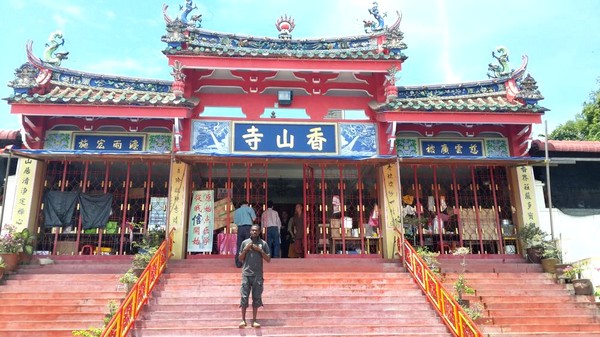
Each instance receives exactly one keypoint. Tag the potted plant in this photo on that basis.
(581, 286)
(128, 279)
(430, 259)
(461, 288)
(142, 259)
(551, 256)
(532, 237)
(2, 266)
(10, 246)
(28, 240)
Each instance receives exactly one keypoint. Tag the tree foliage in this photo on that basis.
(586, 125)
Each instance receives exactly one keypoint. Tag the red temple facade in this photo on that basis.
(320, 123)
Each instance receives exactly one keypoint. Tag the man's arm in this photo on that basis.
(265, 255)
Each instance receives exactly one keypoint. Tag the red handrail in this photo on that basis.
(443, 302)
(127, 313)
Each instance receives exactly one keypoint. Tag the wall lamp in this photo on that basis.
(284, 97)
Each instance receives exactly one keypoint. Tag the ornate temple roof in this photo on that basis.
(186, 37)
(506, 92)
(45, 82)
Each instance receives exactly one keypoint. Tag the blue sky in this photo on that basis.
(448, 41)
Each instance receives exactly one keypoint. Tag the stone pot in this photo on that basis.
(25, 258)
(534, 255)
(464, 303)
(549, 264)
(560, 269)
(11, 260)
(583, 286)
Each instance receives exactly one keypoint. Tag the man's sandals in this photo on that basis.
(254, 324)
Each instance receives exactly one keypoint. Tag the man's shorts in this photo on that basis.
(254, 284)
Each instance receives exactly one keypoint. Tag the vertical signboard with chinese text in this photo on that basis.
(177, 205)
(527, 192)
(201, 222)
(392, 206)
(24, 192)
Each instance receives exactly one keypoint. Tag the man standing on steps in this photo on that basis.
(243, 217)
(252, 253)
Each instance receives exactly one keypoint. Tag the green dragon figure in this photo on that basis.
(502, 70)
(50, 55)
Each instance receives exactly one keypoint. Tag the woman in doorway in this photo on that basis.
(297, 230)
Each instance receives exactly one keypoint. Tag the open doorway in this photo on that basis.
(339, 200)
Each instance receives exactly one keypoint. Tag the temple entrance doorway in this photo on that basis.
(339, 200)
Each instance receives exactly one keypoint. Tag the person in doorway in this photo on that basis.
(284, 234)
(252, 253)
(243, 217)
(271, 222)
(297, 230)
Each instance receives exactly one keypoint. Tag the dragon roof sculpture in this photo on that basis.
(379, 41)
(44, 81)
(506, 93)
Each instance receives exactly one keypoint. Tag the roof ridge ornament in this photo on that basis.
(391, 91)
(502, 70)
(371, 26)
(529, 92)
(195, 20)
(52, 57)
(285, 25)
(178, 86)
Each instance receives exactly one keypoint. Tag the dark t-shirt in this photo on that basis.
(253, 263)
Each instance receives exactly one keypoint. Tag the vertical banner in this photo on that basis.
(177, 208)
(200, 229)
(527, 192)
(24, 193)
(391, 207)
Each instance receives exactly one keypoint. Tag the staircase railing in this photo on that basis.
(127, 313)
(447, 307)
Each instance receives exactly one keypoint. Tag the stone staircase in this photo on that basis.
(302, 297)
(519, 299)
(53, 300)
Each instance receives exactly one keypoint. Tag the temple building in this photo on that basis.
(317, 122)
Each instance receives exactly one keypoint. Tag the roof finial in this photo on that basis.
(372, 26)
(502, 70)
(51, 57)
(529, 92)
(185, 11)
(285, 25)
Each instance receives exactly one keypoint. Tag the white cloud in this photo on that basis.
(17, 4)
(60, 21)
(445, 59)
